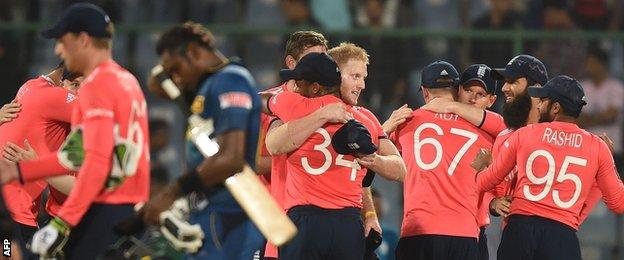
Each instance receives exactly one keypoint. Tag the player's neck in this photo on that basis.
(566, 119)
(99, 56)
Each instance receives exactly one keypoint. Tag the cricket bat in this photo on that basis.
(245, 186)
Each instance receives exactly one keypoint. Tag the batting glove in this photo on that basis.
(50, 240)
(181, 234)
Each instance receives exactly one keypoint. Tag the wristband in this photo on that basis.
(370, 213)
(190, 182)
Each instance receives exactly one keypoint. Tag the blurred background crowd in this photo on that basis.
(580, 38)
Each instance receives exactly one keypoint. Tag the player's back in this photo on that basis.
(112, 91)
(557, 164)
(319, 176)
(44, 122)
(440, 194)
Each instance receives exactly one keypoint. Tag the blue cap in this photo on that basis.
(523, 66)
(315, 67)
(353, 138)
(439, 74)
(562, 89)
(81, 17)
(481, 73)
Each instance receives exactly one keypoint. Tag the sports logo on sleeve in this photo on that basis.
(198, 105)
(70, 97)
(235, 99)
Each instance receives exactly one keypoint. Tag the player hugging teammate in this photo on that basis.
(458, 161)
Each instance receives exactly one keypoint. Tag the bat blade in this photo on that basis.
(261, 208)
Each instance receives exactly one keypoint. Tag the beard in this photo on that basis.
(545, 115)
(516, 112)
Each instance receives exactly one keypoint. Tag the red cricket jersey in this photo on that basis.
(558, 163)
(440, 195)
(45, 122)
(317, 175)
(111, 109)
(493, 124)
(278, 167)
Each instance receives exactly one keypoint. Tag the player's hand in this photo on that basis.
(500, 206)
(439, 105)
(607, 140)
(181, 234)
(162, 201)
(50, 240)
(369, 161)
(335, 113)
(482, 160)
(397, 118)
(9, 111)
(8, 171)
(14, 153)
(371, 222)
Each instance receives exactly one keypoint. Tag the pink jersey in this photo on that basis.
(111, 109)
(493, 124)
(317, 175)
(558, 163)
(278, 168)
(45, 122)
(440, 194)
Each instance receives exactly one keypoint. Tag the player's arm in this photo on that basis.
(15, 153)
(387, 162)
(504, 162)
(98, 142)
(609, 181)
(369, 215)
(488, 121)
(284, 138)
(592, 198)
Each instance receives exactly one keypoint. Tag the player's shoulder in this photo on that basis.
(369, 114)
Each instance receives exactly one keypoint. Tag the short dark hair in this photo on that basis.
(300, 40)
(177, 38)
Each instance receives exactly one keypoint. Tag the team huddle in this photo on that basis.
(81, 132)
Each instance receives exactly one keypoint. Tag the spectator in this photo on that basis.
(390, 236)
(561, 55)
(388, 64)
(297, 12)
(592, 14)
(493, 52)
(605, 100)
(331, 14)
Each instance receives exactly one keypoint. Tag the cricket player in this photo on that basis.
(298, 45)
(478, 88)
(440, 198)
(108, 145)
(323, 188)
(42, 126)
(519, 110)
(352, 61)
(225, 92)
(558, 163)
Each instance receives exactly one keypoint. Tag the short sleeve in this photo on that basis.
(289, 106)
